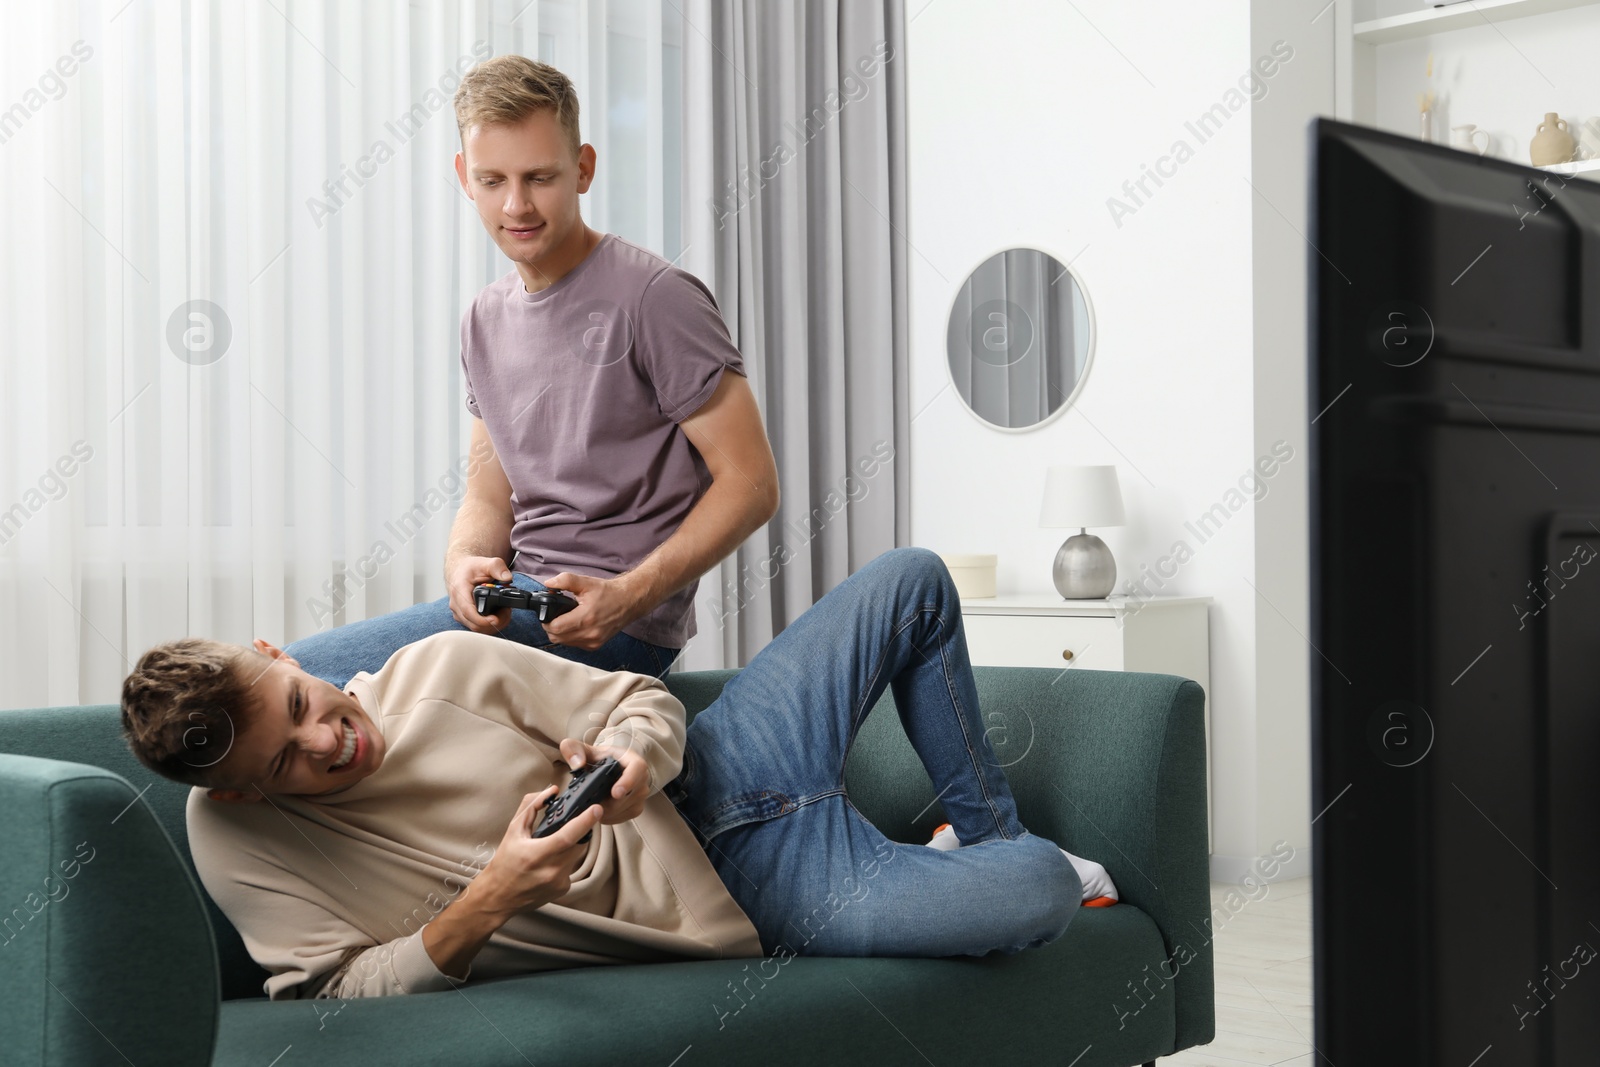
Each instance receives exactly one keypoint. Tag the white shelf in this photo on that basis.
(1457, 16)
(1583, 168)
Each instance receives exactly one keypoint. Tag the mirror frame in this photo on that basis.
(1088, 359)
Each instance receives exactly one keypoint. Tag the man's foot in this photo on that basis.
(1098, 889)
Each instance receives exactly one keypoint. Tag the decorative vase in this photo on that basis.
(1552, 143)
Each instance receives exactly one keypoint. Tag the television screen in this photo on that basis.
(1455, 605)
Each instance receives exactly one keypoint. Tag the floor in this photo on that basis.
(1263, 968)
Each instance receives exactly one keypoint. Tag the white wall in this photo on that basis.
(1280, 171)
(1024, 119)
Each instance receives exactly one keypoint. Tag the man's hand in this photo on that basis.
(527, 871)
(630, 791)
(605, 606)
(468, 573)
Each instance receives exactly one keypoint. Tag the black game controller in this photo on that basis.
(589, 786)
(550, 603)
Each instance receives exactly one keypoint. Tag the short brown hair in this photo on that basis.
(507, 89)
(184, 706)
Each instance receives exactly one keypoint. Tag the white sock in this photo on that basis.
(1095, 878)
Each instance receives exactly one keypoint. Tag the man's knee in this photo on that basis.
(921, 570)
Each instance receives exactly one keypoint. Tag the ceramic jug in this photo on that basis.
(1466, 138)
(1552, 142)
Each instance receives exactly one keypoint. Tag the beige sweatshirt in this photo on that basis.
(330, 893)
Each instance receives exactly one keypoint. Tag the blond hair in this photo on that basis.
(507, 89)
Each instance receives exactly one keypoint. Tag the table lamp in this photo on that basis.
(1083, 497)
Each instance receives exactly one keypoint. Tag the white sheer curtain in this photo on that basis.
(235, 260)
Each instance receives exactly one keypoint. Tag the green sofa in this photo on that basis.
(111, 953)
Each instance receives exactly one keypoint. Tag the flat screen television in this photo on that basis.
(1454, 399)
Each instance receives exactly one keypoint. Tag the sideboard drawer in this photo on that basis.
(1044, 641)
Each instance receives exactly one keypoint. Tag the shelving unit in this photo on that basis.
(1457, 16)
(1358, 42)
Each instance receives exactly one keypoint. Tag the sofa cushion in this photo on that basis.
(1048, 1004)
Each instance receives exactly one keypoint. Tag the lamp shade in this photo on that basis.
(1081, 496)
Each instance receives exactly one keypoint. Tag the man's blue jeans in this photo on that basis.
(763, 785)
(337, 655)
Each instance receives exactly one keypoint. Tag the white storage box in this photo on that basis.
(973, 574)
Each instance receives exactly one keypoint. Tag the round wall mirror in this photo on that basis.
(1020, 337)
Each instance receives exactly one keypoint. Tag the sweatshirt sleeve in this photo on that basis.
(399, 966)
(289, 925)
(545, 696)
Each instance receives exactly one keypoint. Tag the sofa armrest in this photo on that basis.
(107, 954)
(1128, 788)
(1110, 765)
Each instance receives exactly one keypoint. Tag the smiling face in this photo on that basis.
(525, 183)
(304, 737)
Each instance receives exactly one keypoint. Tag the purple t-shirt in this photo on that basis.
(581, 387)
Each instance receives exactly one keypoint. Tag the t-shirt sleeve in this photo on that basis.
(466, 364)
(682, 343)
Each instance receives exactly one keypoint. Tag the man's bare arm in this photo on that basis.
(526, 872)
(728, 433)
(480, 538)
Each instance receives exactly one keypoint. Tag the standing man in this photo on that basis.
(614, 455)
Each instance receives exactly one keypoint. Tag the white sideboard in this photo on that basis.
(1163, 635)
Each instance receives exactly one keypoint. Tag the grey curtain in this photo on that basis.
(795, 177)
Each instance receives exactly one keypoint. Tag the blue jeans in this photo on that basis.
(337, 655)
(763, 785)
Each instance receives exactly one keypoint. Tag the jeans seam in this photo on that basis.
(796, 805)
(790, 806)
(859, 712)
(972, 757)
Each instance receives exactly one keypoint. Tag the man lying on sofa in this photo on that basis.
(359, 841)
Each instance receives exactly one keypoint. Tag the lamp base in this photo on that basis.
(1084, 568)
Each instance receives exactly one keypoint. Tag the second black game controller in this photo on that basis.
(549, 603)
(589, 786)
